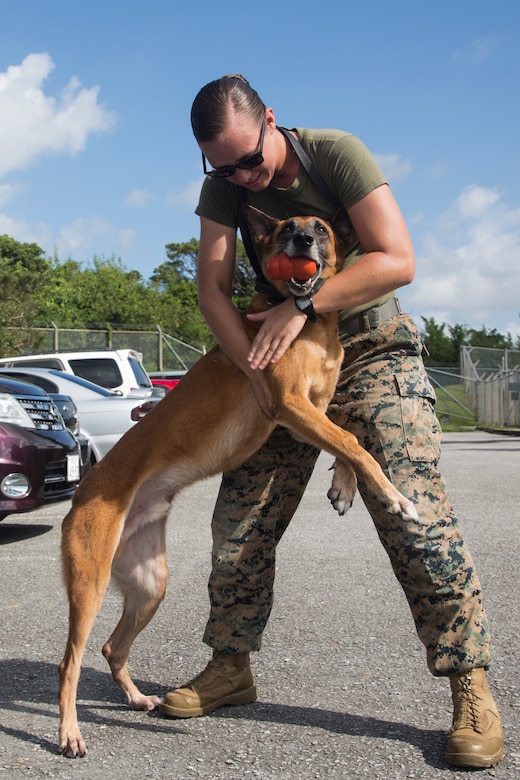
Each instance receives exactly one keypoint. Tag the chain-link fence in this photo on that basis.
(492, 381)
(161, 352)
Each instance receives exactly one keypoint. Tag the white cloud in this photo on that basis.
(513, 328)
(34, 124)
(81, 236)
(21, 231)
(475, 201)
(393, 166)
(468, 268)
(189, 196)
(477, 50)
(80, 240)
(436, 170)
(127, 236)
(7, 193)
(139, 198)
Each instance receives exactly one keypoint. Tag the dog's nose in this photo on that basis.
(303, 239)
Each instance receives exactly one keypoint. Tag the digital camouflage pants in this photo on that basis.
(384, 397)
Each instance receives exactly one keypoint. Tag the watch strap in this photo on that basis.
(304, 302)
(305, 305)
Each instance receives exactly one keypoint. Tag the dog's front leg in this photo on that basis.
(309, 424)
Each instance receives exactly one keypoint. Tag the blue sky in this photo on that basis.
(97, 156)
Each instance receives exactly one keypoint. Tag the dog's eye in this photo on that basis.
(320, 228)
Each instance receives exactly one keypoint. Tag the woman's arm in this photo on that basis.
(216, 263)
(388, 264)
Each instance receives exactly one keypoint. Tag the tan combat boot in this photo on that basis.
(476, 737)
(227, 679)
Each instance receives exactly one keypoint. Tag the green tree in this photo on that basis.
(104, 292)
(244, 278)
(176, 289)
(442, 349)
(176, 281)
(182, 258)
(25, 276)
(182, 261)
(484, 337)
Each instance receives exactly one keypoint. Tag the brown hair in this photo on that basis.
(211, 106)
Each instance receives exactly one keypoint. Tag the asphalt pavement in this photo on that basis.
(344, 691)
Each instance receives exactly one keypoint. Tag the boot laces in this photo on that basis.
(468, 712)
(214, 669)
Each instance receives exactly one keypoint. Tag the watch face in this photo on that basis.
(304, 304)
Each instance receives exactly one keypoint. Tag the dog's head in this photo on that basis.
(300, 239)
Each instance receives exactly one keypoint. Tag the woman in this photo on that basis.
(383, 397)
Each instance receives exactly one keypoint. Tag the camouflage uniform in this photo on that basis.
(385, 398)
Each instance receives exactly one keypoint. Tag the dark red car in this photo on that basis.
(40, 460)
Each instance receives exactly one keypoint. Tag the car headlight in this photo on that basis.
(11, 411)
(15, 486)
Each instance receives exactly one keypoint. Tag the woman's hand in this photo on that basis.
(280, 326)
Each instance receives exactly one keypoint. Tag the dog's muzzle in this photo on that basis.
(306, 287)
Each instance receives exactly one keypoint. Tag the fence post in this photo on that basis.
(56, 336)
(160, 348)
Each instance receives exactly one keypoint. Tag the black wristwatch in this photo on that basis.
(304, 304)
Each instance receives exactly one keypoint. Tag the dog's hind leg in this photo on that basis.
(89, 541)
(139, 569)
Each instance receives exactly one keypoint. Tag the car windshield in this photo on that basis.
(141, 378)
(77, 380)
(40, 381)
(51, 387)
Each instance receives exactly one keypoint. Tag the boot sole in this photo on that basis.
(248, 696)
(471, 761)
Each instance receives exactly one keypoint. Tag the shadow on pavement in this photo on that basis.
(26, 684)
(10, 532)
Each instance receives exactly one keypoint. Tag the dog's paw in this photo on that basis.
(146, 703)
(397, 504)
(343, 489)
(72, 744)
(339, 501)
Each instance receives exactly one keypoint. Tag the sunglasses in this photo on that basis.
(248, 161)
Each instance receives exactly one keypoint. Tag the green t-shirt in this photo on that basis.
(344, 163)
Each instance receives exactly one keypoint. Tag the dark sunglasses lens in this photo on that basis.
(222, 173)
(252, 161)
(228, 170)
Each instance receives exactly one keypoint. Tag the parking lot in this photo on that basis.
(343, 687)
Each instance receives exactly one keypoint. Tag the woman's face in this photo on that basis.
(241, 140)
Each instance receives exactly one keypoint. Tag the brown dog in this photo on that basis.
(209, 423)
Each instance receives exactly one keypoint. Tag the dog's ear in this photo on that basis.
(261, 225)
(342, 226)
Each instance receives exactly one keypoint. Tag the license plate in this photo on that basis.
(73, 473)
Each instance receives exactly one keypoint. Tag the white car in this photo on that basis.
(103, 416)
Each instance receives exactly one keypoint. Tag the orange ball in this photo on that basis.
(284, 268)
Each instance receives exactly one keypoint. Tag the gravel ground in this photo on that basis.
(343, 687)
